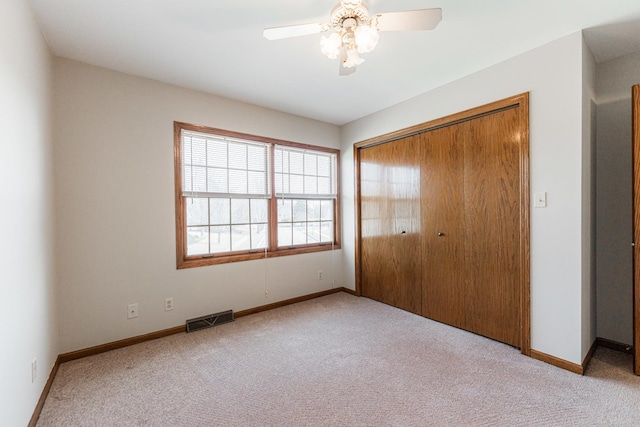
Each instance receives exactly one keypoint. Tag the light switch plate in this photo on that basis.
(132, 311)
(540, 200)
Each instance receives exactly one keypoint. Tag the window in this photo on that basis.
(242, 197)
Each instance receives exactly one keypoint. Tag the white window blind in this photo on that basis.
(215, 166)
(304, 173)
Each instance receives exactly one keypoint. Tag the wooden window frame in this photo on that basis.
(184, 261)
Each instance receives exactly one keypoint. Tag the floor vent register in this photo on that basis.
(209, 321)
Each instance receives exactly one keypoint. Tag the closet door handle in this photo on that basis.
(440, 234)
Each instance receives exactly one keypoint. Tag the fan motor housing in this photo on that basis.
(340, 14)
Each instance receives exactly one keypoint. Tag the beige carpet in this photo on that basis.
(337, 361)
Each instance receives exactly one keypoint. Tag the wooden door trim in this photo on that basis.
(470, 114)
(521, 102)
(636, 227)
(525, 227)
(358, 218)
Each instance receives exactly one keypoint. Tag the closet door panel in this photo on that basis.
(442, 189)
(390, 223)
(491, 217)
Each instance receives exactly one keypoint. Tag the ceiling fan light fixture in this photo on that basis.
(366, 38)
(352, 59)
(330, 46)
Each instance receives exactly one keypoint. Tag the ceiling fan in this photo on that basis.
(352, 30)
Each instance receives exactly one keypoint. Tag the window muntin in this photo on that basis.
(245, 198)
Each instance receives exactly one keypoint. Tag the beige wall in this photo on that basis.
(28, 322)
(115, 212)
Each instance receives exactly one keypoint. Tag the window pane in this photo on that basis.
(324, 186)
(285, 234)
(199, 177)
(324, 166)
(216, 153)
(296, 184)
(277, 161)
(326, 210)
(296, 163)
(284, 211)
(217, 180)
(257, 183)
(259, 211)
(220, 212)
(220, 239)
(259, 236)
(197, 211)
(186, 150)
(300, 233)
(198, 151)
(186, 179)
(299, 210)
(313, 232)
(238, 182)
(240, 238)
(257, 158)
(326, 233)
(310, 185)
(197, 240)
(313, 210)
(281, 161)
(239, 211)
(310, 164)
(237, 156)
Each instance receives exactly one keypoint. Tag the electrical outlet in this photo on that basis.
(34, 369)
(168, 304)
(319, 274)
(266, 294)
(132, 311)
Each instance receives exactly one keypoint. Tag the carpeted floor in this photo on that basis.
(337, 361)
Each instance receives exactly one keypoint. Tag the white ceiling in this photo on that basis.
(216, 46)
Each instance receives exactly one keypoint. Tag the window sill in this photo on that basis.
(202, 261)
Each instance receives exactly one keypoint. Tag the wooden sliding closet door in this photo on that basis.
(390, 223)
(471, 225)
(492, 226)
(442, 188)
(443, 215)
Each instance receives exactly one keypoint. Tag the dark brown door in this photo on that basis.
(443, 237)
(492, 226)
(636, 228)
(390, 223)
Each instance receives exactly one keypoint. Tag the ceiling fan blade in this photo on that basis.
(410, 20)
(294, 31)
